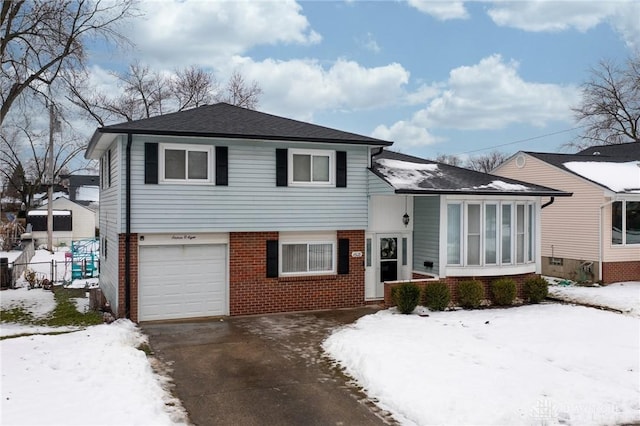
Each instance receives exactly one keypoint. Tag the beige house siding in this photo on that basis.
(570, 224)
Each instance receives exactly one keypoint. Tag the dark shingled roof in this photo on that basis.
(228, 121)
(630, 151)
(430, 177)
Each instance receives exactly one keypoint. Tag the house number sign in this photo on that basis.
(356, 254)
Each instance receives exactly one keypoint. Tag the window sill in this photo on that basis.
(308, 278)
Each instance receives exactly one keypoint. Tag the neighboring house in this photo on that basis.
(220, 210)
(72, 221)
(594, 235)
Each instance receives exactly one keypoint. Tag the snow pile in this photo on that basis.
(624, 297)
(405, 174)
(616, 176)
(537, 364)
(93, 376)
(503, 186)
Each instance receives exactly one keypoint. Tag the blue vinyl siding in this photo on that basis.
(426, 233)
(377, 186)
(251, 201)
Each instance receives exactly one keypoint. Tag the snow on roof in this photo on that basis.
(499, 184)
(44, 213)
(618, 177)
(88, 193)
(405, 174)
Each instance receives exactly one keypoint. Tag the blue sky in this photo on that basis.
(450, 77)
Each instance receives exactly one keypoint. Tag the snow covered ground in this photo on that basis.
(87, 376)
(624, 297)
(538, 364)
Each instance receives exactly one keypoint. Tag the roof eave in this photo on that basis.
(472, 192)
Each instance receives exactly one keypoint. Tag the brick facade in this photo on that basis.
(251, 292)
(452, 283)
(133, 274)
(620, 271)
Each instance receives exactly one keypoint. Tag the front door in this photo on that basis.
(384, 259)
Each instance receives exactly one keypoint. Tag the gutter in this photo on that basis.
(127, 235)
(548, 203)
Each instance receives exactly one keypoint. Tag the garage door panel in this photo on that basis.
(182, 281)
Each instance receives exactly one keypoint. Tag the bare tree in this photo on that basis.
(610, 106)
(240, 93)
(24, 153)
(485, 162)
(43, 39)
(145, 93)
(451, 159)
(193, 87)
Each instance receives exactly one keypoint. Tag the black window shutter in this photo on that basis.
(272, 258)
(109, 167)
(341, 169)
(222, 165)
(343, 256)
(281, 167)
(150, 162)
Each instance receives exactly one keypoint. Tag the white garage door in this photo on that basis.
(182, 281)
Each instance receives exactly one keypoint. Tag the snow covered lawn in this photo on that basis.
(85, 376)
(623, 297)
(537, 364)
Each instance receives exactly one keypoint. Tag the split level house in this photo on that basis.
(221, 210)
(595, 234)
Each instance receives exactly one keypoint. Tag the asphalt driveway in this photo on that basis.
(262, 370)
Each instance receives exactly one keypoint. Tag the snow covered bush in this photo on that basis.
(436, 295)
(536, 289)
(406, 296)
(503, 291)
(470, 294)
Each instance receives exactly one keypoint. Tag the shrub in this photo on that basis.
(536, 289)
(503, 291)
(436, 296)
(406, 297)
(470, 294)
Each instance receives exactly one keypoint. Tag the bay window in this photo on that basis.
(625, 222)
(490, 233)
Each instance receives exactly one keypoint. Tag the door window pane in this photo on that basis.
(388, 248)
(453, 233)
(632, 232)
(520, 227)
(473, 234)
(320, 168)
(198, 162)
(368, 250)
(301, 168)
(491, 231)
(506, 233)
(174, 164)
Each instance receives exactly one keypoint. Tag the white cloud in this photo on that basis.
(298, 88)
(552, 16)
(442, 10)
(205, 32)
(405, 134)
(488, 95)
(370, 43)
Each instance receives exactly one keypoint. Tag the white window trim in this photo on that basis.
(623, 230)
(308, 238)
(312, 152)
(183, 147)
(513, 242)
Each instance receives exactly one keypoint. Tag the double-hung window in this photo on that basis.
(316, 256)
(625, 222)
(186, 163)
(490, 233)
(311, 167)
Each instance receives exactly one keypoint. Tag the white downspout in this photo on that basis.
(600, 239)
